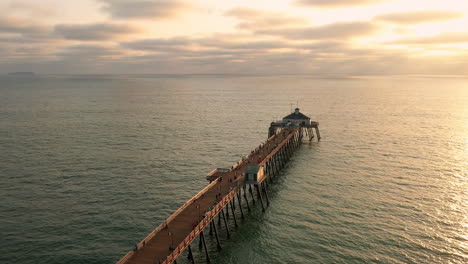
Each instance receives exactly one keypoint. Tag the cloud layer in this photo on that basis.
(339, 30)
(257, 19)
(143, 9)
(418, 17)
(151, 36)
(92, 32)
(337, 3)
(444, 38)
(20, 26)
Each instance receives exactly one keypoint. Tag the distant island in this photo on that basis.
(22, 73)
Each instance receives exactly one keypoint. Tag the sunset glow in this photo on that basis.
(355, 37)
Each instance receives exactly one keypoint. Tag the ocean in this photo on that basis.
(90, 164)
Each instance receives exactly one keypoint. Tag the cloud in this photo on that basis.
(88, 52)
(257, 19)
(91, 50)
(93, 32)
(21, 26)
(255, 45)
(32, 9)
(204, 55)
(207, 62)
(20, 49)
(211, 45)
(347, 62)
(336, 3)
(318, 58)
(82, 59)
(144, 9)
(25, 40)
(230, 55)
(444, 38)
(419, 17)
(159, 45)
(339, 30)
(266, 42)
(323, 46)
(235, 42)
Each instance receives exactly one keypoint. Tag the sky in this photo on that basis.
(316, 37)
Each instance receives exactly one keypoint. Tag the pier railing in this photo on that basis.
(209, 216)
(150, 236)
(200, 227)
(279, 147)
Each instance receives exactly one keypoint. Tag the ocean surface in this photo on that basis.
(89, 165)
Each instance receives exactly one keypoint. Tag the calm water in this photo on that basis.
(91, 164)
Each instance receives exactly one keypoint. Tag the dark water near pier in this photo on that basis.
(91, 164)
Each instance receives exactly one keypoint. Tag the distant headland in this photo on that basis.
(22, 73)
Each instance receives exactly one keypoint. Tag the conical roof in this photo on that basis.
(296, 115)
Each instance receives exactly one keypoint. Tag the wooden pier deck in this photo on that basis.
(167, 242)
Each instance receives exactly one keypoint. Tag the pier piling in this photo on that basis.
(226, 225)
(206, 248)
(251, 194)
(190, 255)
(218, 245)
(240, 203)
(233, 213)
(246, 200)
(260, 197)
(266, 194)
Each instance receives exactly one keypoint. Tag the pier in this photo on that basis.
(230, 191)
